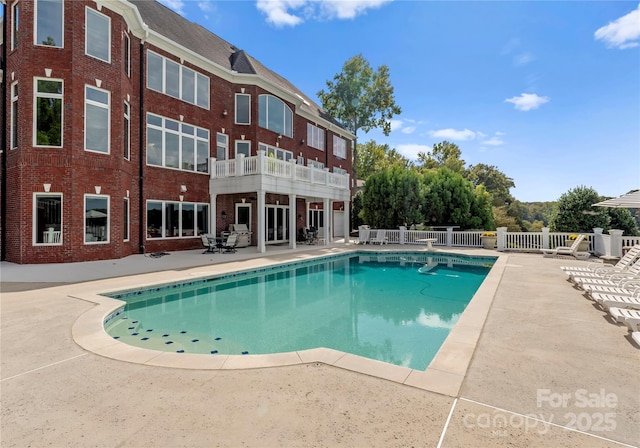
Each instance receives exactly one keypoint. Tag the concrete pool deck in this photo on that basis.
(541, 341)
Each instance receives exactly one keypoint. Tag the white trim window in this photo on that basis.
(97, 120)
(126, 131)
(126, 226)
(275, 115)
(222, 146)
(14, 115)
(315, 137)
(176, 80)
(48, 23)
(278, 153)
(172, 144)
(166, 219)
(15, 22)
(243, 108)
(96, 219)
(97, 35)
(339, 147)
(337, 170)
(48, 107)
(127, 55)
(243, 147)
(47, 219)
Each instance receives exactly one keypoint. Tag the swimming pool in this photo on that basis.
(377, 305)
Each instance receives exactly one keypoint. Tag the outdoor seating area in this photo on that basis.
(615, 289)
(219, 244)
(568, 250)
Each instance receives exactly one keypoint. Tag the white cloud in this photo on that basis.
(396, 125)
(411, 151)
(408, 130)
(453, 134)
(523, 58)
(493, 141)
(527, 101)
(623, 32)
(500, 133)
(510, 46)
(176, 5)
(205, 6)
(294, 12)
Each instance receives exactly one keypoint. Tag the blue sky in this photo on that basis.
(547, 91)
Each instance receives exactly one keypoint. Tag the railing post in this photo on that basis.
(212, 167)
(293, 169)
(240, 165)
(545, 237)
(402, 230)
(616, 242)
(449, 236)
(501, 241)
(260, 164)
(326, 176)
(598, 242)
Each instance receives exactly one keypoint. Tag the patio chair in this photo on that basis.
(380, 237)
(229, 246)
(363, 235)
(566, 250)
(608, 301)
(629, 258)
(636, 337)
(625, 287)
(631, 318)
(608, 276)
(206, 242)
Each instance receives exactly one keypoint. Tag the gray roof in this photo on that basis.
(203, 42)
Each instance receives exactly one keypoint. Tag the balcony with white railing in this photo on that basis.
(265, 170)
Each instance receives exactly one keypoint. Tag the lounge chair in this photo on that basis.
(229, 246)
(363, 235)
(623, 288)
(608, 301)
(611, 278)
(380, 237)
(567, 250)
(629, 258)
(631, 318)
(210, 245)
(636, 337)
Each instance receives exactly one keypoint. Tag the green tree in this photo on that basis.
(447, 199)
(574, 212)
(392, 198)
(373, 157)
(622, 219)
(357, 218)
(360, 98)
(443, 154)
(494, 180)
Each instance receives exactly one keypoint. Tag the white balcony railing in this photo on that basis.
(268, 166)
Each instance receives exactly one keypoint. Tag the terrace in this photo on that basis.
(541, 339)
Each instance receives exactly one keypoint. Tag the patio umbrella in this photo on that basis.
(95, 214)
(629, 200)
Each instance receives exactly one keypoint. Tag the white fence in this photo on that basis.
(613, 244)
(269, 166)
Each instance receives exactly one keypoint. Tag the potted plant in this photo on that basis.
(489, 240)
(584, 244)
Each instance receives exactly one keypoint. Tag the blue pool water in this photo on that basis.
(393, 307)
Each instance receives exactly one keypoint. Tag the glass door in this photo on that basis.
(277, 224)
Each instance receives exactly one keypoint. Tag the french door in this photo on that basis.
(277, 224)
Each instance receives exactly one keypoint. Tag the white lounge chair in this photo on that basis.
(612, 278)
(629, 258)
(624, 288)
(636, 337)
(608, 301)
(363, 234)
(567, 250)
(380, 237)
(631, 318)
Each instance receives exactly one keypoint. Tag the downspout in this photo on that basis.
(3, 148)
(141, 121)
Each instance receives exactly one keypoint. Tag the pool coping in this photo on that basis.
(444, 375)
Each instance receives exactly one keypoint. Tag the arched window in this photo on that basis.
(275, 115)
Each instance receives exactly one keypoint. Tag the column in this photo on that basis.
(327, 205)
(347, 221)
(262, 247)
(213, 225)
(293, 220)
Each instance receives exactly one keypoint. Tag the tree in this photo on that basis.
(374, 157)
(494, 180)
(443, 154)
(622, 219)
(574, 212)
(360, 98)
(392, 198)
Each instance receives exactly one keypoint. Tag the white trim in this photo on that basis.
(107, 229)
(127, 223)
(35, 26)
(127, 58)
(127, 120)
(248, 142)
(34, 217)
(88, 102)
(35, 111)
(14, 30)
(235, 112)
(97, 14)
(13, 144)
